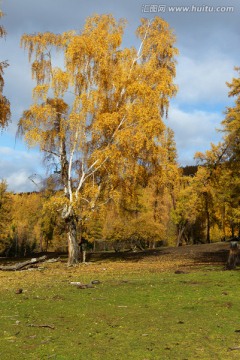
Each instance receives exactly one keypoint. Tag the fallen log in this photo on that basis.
(24, 264)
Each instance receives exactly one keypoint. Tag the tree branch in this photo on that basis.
(51, 152)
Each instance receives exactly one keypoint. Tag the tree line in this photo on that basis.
(99, 122)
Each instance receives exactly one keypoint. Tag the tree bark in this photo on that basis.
(208, 222)
(224, 221)
(84, 256)
(73, 248)
(208, 228)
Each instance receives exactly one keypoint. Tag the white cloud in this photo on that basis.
(17, 166)
(203, 79)
(19, 182)
(194, 131)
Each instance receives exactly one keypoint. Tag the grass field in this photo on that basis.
(141, 310)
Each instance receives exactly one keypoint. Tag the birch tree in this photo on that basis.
(99, 116)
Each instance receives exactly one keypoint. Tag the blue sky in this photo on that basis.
(209, 49)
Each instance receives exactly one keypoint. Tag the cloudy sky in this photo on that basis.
(208, 38)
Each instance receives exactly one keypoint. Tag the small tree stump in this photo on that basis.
(233, 257)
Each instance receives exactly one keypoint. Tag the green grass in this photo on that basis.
(139, 315)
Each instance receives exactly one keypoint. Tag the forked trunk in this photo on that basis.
(73, 248)
(181, 229)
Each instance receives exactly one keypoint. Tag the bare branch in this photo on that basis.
(82, 179)
(95, 162)
(51, 152)
(119, 125)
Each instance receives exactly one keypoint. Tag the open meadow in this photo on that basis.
(162, 304)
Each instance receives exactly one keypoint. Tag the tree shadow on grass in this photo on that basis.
(216, 257)
(216, 253)
(124, 255)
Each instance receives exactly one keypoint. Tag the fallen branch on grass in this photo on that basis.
(24, 264)
(234, 348)
(79, 285)
(42, 326)
(53, 260)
